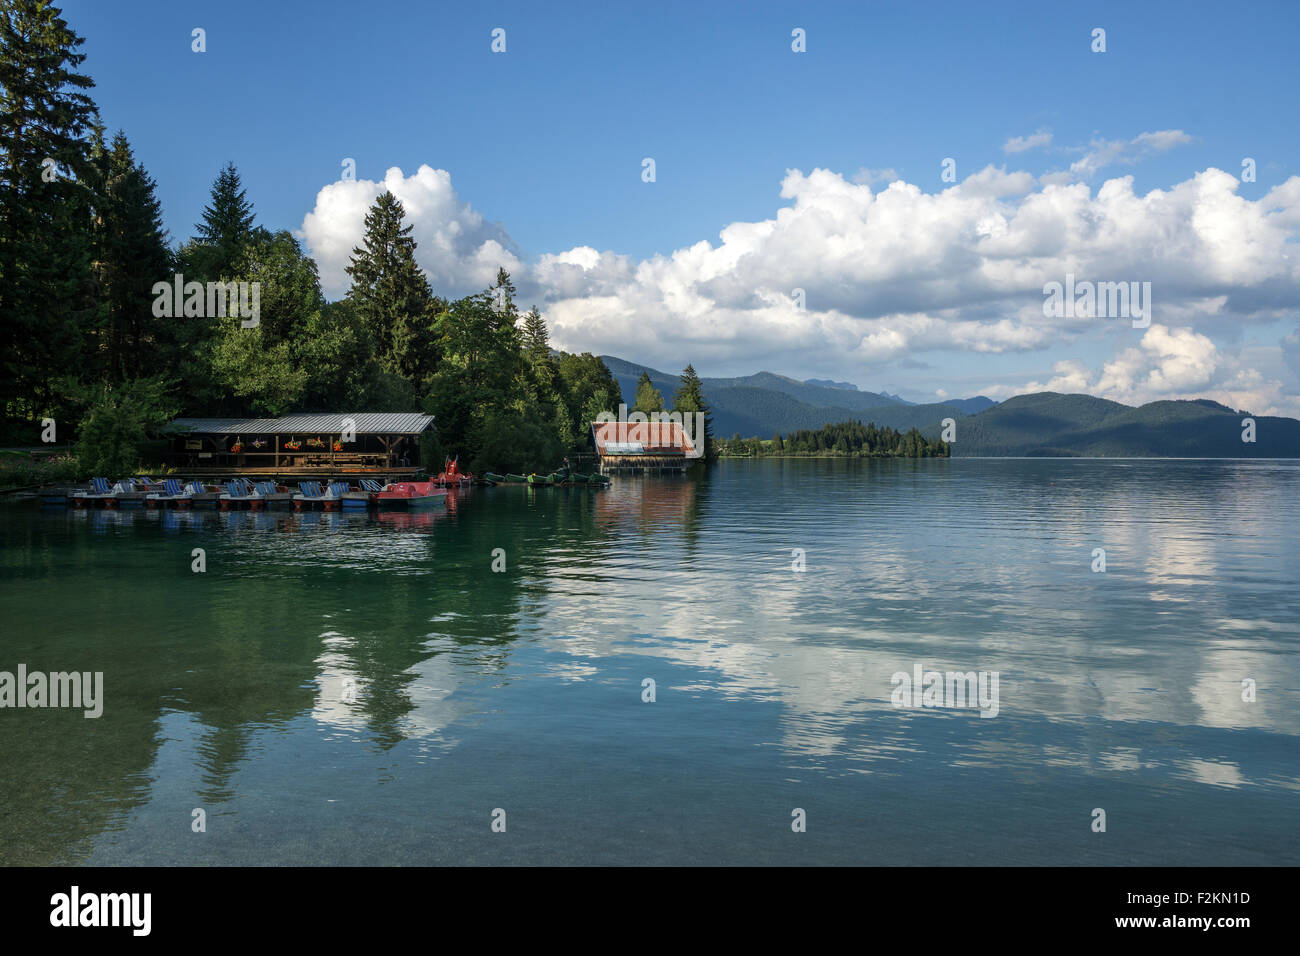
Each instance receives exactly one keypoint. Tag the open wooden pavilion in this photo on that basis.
(378, 443)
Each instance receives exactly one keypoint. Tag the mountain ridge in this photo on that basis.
(1035, 424)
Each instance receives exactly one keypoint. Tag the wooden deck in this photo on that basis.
(300, 471)
(631, 464)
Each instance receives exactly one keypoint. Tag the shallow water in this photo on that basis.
(352, 689)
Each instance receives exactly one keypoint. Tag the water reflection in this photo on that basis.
(361, 634)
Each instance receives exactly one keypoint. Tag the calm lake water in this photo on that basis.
(341, 689)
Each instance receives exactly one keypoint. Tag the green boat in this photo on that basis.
(591, 479)
(517, 479)
(551, 479)
(493, 478)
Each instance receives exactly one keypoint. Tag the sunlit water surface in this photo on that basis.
(353, 689)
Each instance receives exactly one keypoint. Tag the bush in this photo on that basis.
(19, 470)
(117, 422)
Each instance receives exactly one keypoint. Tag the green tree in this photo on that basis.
(334, 354)
(480, 370)
(588, 387)
(536, 338)
(131, 255)
(289, 284)
(267, 369)
(47, 123)
(225, 229)
(648, 398)
(689, 400)
(391, 294)
(116, 421)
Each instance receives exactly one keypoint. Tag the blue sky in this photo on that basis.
(546, 141)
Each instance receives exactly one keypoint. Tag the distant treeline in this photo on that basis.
(843, 440)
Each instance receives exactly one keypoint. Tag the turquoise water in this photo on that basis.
(341, 689)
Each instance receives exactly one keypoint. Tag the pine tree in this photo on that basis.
(131, 254)
(689, 399)
(537, 340)
(648, 398)
(226, 227)
(391, 294)
(47, 121)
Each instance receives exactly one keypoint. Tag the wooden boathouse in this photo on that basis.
(347, 443)
(642, 446)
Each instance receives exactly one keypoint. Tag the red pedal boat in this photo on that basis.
(411, 494)
(451, 474)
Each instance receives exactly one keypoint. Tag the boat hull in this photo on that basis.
(413, 502)
(409, 495)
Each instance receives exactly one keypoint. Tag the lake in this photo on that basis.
(362, 689)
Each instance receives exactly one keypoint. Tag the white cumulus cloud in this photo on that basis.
(459, 249)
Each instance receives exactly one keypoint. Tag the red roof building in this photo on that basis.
(642, 446)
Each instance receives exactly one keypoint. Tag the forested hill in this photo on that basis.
(765, 404)
(1044, 423)
(1052, 424)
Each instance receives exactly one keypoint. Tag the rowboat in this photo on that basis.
(550, 479)
(411, 494)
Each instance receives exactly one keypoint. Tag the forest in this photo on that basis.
(845, 440)
(96, 357)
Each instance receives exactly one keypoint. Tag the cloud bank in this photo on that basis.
(850, 279)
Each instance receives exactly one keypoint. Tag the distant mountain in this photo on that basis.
(974, 405)
(827, 383)
(897, 398)
(764, 404)
(1045, 423)
(1052, 424)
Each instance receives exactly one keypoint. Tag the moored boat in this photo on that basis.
(351, 498)
(452, 476)
(197, 493)
(411, 494)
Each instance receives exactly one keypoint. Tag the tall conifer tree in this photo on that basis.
(47, 122)
(131, 254)
(391, 294)
(226, 227)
